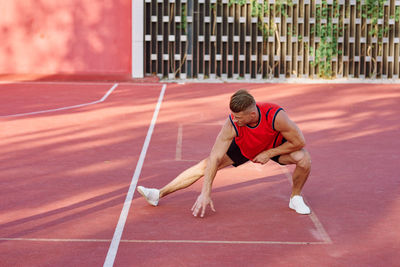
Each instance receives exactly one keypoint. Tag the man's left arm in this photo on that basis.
(290, 131)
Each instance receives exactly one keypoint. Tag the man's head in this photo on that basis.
(243, 107)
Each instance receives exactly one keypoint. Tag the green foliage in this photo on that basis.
(327, 25)
(183, 24)
(374, 10)
(397, 14)
(327, 31)
(260, 10)
(239, 2)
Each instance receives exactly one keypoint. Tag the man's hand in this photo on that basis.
(262, 158)
(202, 203)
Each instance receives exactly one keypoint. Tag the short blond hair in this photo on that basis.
(241, 101)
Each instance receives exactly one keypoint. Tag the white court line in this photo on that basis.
(178, 154)
(226, 242)
(64, 108)
(112, 251)
(313, 216)
(320, 228)
(167, 241)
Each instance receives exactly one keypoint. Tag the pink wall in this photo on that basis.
(65, 37)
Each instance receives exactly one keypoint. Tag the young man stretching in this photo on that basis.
(254, 131)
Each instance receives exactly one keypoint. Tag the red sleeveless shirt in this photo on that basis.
(253, 140)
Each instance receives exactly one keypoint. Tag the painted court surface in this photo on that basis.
(72, 154)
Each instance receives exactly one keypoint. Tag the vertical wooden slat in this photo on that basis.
(385, 40)
(171, 39)
(196, 31)
(218, 44)
(282, 40)
(304, 26)
(271, 40)
(231, 44)
(189, 39)
(236, 40)
(159, 39)
(264, 45)
(178, 41)
(363, 34)
(345, 58)
(147, 33)
(311, 39)
(165, 35)
(200, 40)
(224, 48)
(275, 40)
(289, 46)
(396, 33)
(247, 42)
(213, 39)
(207, 29)
(183, 40)
(253, 46)
(339, 68)
(357, 41)
(390, 38)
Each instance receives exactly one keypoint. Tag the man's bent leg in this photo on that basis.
(191, 175)
(302, 160)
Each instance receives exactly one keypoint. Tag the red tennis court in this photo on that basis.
(72, 154)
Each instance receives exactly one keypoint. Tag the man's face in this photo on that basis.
(243, 117)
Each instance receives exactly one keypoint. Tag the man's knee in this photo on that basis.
(302, 159)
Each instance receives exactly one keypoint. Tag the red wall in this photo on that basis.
(65, 37)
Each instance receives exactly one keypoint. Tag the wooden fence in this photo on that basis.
(259, 39)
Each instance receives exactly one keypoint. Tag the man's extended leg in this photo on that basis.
(302, 160)
(183, 180)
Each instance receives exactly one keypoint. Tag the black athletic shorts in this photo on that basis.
(238, 158)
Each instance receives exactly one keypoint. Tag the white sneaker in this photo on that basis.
(151, 195)
(297, 203)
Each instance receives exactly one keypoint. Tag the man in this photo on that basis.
(254, 131)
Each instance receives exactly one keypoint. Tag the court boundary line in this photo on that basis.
(179, 138)
(112, 251)
(64, 108)
(314, 218)
(240, 242)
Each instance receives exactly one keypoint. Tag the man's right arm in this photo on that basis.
(218, 151)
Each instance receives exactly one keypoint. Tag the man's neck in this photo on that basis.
(256, 119)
